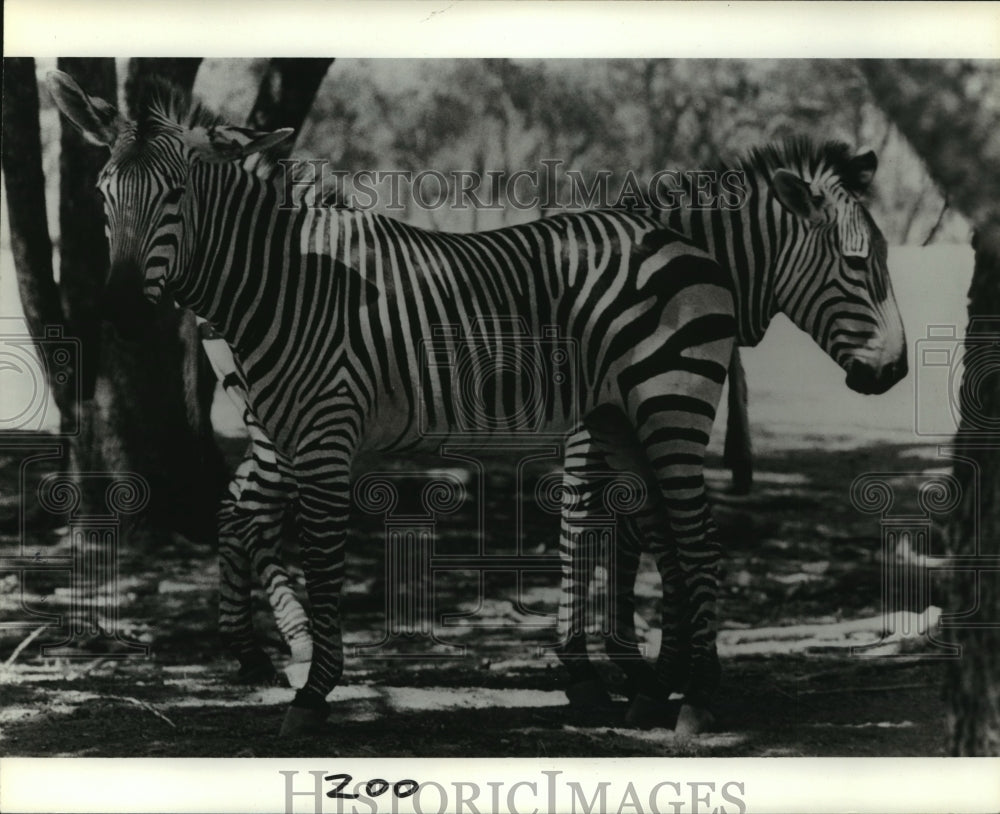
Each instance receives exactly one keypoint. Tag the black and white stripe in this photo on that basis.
(803, 245)
(329, 311)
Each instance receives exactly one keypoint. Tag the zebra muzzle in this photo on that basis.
(869, 380)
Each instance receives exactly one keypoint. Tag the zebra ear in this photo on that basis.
(224, 143)
(860, 172)
(796, 195)
(96, 119)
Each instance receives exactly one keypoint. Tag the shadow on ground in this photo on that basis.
(802, 584)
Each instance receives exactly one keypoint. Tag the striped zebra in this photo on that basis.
(262, 491)
(326, 310)
(801, 243)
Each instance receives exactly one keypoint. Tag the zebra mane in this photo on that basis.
(795, 153)
(294, 181)
(160, 103)
(800, 152)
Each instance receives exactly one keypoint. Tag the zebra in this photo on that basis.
(262, 490)
(251, 516)
(802, 212)
(325, 309)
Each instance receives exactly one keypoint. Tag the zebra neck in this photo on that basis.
(244, 269)
(742, 241)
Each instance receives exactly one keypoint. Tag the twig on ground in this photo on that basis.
(144, 705)
(776, 688)
(89, 668)
(821, 675)
(882, 688)
(17, 650)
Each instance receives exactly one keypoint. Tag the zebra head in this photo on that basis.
(832, 277)
(144, 184)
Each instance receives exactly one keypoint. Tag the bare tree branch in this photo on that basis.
(940, 111)
(937, 224)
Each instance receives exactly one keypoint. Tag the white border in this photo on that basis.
(476, 29)
(45, 28)
(249, 786)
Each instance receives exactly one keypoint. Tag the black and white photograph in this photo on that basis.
(364, 408)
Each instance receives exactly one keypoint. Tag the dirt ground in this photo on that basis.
(802, 584)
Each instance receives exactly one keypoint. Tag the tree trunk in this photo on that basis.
(972, 684)
(29, 233)
(83, 248)
(143, 406)
(946, 109)
(286, 95)
(178, 71)
(83, 266)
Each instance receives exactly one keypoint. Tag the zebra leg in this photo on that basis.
(693, 570)
(651, 705)
(648, 528)
(324, 504)
(621, 644)
(585, 688)
(672, 413)
(235, 596)
(687, 663)
(250, 530)
(609, 445)
(250, 534)
(688, 563)
(265, 548)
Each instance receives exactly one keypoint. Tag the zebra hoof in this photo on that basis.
(588, 694)
(256, 669)
(692, 720)
(645, 712)
(304, 720)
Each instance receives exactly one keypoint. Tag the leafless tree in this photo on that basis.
(950, 113)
